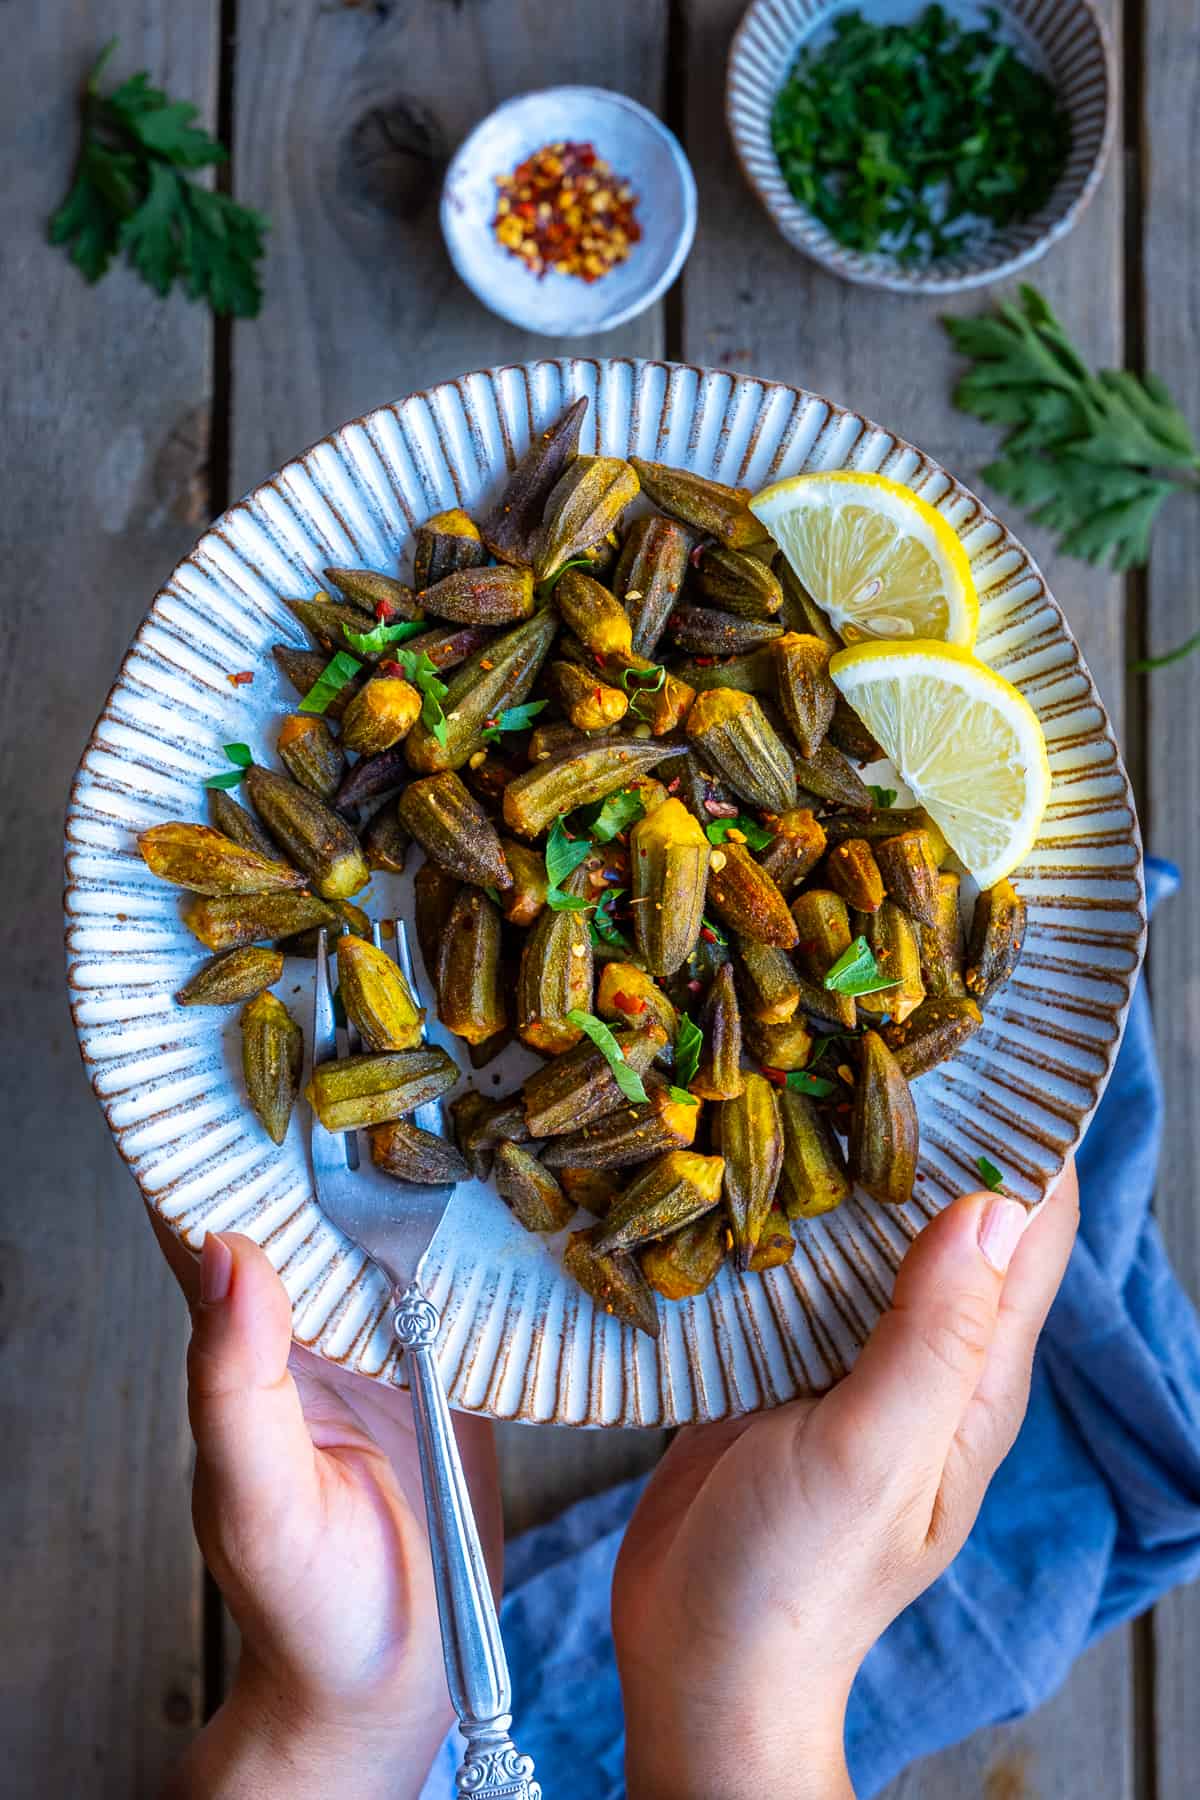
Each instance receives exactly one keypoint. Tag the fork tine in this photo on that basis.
(431, 1116)
(324, 1025)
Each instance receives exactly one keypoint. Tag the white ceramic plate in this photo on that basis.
(519, 1339)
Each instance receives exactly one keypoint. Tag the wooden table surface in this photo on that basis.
(128, 422)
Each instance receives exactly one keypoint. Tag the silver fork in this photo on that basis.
(394, 1222)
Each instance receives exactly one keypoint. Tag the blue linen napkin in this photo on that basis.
(1095, 1512)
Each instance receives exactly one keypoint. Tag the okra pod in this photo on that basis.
(529, 1189)
(731, 733)
(589, 703)
(997, 937)
(498, 676)
(556, 974)
(576, 776)
(376, 996)
(737, 583)
(510, 529)
(614, 1281)
(357, 1091)
(748, 1133)
(832, 778)
(804, 689)
(751, 673)
(795, 850)
(313, 837)
(719, 1072)
(813, 1178)
(631, 1134)
(445, 543)
(595, 616)
(311, 754)
(207, 862)
(681, 1266)
(770, 982)
(272, 1055)
(523, 902)
(942, 944)
(434, 893)
(237, 975)
(593, 1189)
(786, 1046)
(380, 595)
(882, 1151)
(852, 871)
(892, 936)
(932, 1034)
(385, 840)
(703, 631)
(497, 595)
(227, 816)
(823, 923)
(668, 864)
(229, 921)
(470, 983)
(585, 505)
(709, 507)
(345, 917)
(670, 1193)
(380, 715)
(649, 575)
(453, 829)
(743, 895)
(304, 668)
(405, 1151)
(909, 870)
(877, 823)
(627, 994)
(578, 1087)
(776, 1245)
(370, 777)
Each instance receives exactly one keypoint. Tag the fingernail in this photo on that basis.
(1000, 1228)
(216, 1270)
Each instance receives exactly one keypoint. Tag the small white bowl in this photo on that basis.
(1066, 40)
(639, 148)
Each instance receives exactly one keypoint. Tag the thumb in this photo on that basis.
(897, 1412)
(254, 1453)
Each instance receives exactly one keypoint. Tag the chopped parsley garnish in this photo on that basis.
(513, 718)
(239, 755)
(882, 796)
(755, 835)
(370, 643)
(857, 972)
(688, 1041)
(627, 1079)
(340, 669)
(989, 1174)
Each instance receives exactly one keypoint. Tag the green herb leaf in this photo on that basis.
(128, 193)
(682, 1097)
(757, 836)
(563, 853)
(557, 901)
(815, 1085)
(370, 643)
(627, 1079)
(513, 718)
(882, 796)
(578, 562)
(688, 1041)
(340, 669)
(418, 668)
(493, 895)
(1092, 456)
(643, 681)
(989, 1174)
(614, 815)
(239, 754)
(857, 972)
(1145, 663)
(603, 929)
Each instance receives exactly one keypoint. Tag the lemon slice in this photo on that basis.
(967, 743)
(879, 560)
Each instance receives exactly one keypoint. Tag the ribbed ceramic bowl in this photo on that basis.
(1065, 39)
(519, 1339)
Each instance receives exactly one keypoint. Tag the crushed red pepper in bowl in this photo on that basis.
(563, 209)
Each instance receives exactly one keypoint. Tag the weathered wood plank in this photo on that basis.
(347, 117)
(104, 395)
(1171, 139)
(344, 122)
(752, 304)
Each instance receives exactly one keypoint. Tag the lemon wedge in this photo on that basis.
(879, 560)
(967, 743)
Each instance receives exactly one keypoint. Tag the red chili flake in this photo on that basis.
(710, 937)
(673, 785)
(597, 695)
(705, 662)
(563, 209)
(629, 1003)
(776, 1076)
(721, 809)
(486, 663)
(243, 678)
(384, 610)
(388, 667)
(597, 659)
(694, 987)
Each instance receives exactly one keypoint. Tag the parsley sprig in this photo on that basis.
(129, 193)
(1093, 456)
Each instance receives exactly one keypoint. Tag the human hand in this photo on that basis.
(769, 1553)
(308, 1509)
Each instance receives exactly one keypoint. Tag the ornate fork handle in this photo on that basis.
(476, 1670)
